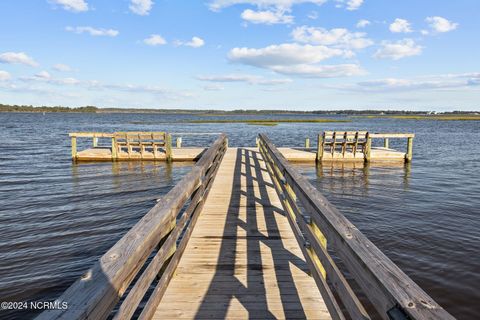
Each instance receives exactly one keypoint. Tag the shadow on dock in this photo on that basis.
(226, 284)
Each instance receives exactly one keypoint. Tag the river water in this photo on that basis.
(58, 218)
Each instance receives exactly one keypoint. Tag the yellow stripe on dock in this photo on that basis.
(242, 260)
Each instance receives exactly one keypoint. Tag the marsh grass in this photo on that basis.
(459, 117)
(267, 121)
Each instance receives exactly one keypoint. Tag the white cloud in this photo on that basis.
(196, 42)
(439, 24)
(155, 40)
(62, 67)
(17, 58)
(321, 71)
(398, 50)
(313, 15)
(250, 79)
(217, 5)
(4, 75)
(213, 87)
(400, 26)
(141, 7)
(296, 59)
(93, 31)
(43, 75)
(363, 23)
(72, 5)
(266, 17)
(339, 37)
(354, 4)
(283, 54)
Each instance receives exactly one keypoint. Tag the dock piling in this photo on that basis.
(74, 148)
(320, 148)
(409, 154)
(114, 149)
(95, 141)
(168, 147)
(179, 142)
(307, 143)
(386, 143)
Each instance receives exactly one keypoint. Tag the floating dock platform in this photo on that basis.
(332, 146)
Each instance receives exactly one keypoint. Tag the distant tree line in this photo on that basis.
(18, 108)
(93, 109)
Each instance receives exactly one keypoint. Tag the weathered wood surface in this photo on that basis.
(97, 292)
(389, 289)
(193, 154)
(243, 260)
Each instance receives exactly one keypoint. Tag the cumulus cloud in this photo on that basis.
(338, 37)
(363, 23)
(4, 75)
(155, 40)
(141, 7)
(250, 79)
(296, 59)
(17, 58)
(72, 5)
(354, 4)
(440, 24)
(217, 5)
(398, 50)
(283, 54)
(62, 67)
(196, 42)
(400, 26)
(266, 17)
(93, 31)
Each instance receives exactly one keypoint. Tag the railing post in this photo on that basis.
(368, 149)
(168, 147)
(114, 149)
(409, 154)
(320, 148)
(179, 142)
(95, 141)
(307, 143)
(386, 143)
(74, 148)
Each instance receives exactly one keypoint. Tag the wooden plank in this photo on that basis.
(242, 260)
(380, 279)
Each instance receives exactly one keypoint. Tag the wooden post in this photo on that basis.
(386, 143)
(179, 142)
(226, 142)
(368, 149)
(257, 142)
(307, 143)
(95, 141)
(168, 147)
(409, 154)
(74, 148)
(320, 148)
(114, 149)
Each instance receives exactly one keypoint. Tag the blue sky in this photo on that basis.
(252, 54)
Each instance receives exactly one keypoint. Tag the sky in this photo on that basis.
(242, 54)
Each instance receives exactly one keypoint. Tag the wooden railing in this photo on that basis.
(127, 141)
(317, 223)
(154, 246)
(386, 142)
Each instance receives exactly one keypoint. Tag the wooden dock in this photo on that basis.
(242, 260)
(332, 146)
(245, 236)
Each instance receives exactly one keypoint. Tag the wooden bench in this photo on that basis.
(139, 142)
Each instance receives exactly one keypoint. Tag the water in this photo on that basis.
(57, 218)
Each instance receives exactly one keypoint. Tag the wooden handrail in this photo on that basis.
(98, 291)
(316, 223)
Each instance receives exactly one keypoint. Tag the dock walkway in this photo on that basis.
(242, 260)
